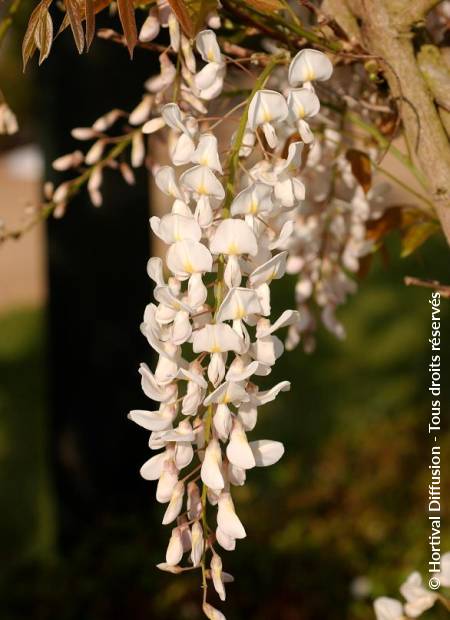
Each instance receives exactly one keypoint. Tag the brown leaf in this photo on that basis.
(199, 9)
(29, 43)
(43, 35)
(74, 16)
(128, 21)
(90, 21)
(265, 6)
(179, 7)
(390, 220)
(361, 168)
(416, 235)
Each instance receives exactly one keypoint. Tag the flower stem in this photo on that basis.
(233, 160)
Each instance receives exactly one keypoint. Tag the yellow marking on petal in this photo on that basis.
(300, 111)
(267, 116)
(240, 312)
(215, 348)
(202, 189)
(233, 248)
(310, 75)
(188, 266)
(254, 207)
(210, 55)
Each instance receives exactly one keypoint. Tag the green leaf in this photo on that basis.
(416, 235)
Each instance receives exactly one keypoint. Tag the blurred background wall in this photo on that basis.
(340, 520)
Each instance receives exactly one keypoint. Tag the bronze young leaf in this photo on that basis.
(74, 16)
(361, 168)
(29, 43)
(128, 21)
(43, 35)
(90, 21)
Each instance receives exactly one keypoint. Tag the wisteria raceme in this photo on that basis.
(211, 322)
(419, 598)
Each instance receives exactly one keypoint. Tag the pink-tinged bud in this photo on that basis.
(142, 111)
(83, 133)
(61, 192)
(95, 180)
(174, 551)
(95, 152)
(216, 576)
(212, 613)
(96, 197)
(194, 504)
(107, 120)
(127, 173)
(71, 160)
(197, 543)
(168, 568)
(137, 150)
(175, 504)
(150, 29)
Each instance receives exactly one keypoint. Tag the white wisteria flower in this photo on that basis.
(227, 234)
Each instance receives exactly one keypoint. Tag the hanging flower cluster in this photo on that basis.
(418, 597)
(330, 237)
(211, 324)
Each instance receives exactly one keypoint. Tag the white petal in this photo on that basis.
(266, 106)
(207, 46)
(174, 227)
(202, 181)
(289, 317)
(153, 420)
(151, 469)
(182, 151)
(151, 387)
(187, 257)
(216, 338)
(165, 180)
(206, 153)
(225, 541)
(302, 103)
(238, 304)
(256, 198)
(234, 237)
(309, 65)
(227, 393)
(388, 608)
(175, 504)
(222, 421)
(266, 452)
(207, 76)
(238, 450)
(211, 470)
(271, 270)
(270, 395)
(232, 274)
(174, 552)
(227, 519)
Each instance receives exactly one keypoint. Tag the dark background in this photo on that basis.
(340, 520)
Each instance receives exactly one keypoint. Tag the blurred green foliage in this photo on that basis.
(340, 520)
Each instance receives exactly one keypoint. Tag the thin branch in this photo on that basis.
(443, 289)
